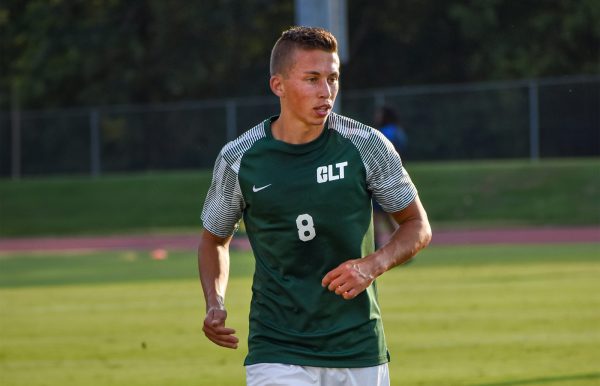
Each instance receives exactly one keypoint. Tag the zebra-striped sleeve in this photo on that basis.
(387, 179)
(224, 202)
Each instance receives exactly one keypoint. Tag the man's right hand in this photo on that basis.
(215, 330)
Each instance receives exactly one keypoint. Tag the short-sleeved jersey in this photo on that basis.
(307, 209)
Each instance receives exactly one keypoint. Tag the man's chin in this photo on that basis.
(320, 120)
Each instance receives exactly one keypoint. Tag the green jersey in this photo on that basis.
(307, 209)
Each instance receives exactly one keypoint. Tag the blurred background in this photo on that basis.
(90, 87)
(112, 113)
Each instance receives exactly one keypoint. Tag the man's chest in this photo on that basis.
(275, 184)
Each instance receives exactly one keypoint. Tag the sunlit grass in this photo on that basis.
(485, 315)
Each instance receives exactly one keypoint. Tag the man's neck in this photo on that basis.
(293, 131)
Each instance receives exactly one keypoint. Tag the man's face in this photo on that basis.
(309, 87)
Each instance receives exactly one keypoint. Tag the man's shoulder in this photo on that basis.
(365, 138)
(349, 127)
(235, 149)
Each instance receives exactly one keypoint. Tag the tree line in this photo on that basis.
(80, 53)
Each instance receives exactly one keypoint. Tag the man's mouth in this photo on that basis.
(323, 109)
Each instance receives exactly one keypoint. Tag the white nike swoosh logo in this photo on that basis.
(255, 189)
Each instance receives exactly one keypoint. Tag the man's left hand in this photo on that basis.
(349, 279)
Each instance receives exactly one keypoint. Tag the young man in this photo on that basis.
(303, 182)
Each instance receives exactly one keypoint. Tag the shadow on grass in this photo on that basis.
(541, 380)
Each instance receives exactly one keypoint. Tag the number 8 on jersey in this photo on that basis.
(306, 227)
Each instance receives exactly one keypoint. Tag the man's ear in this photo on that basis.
(276, 85)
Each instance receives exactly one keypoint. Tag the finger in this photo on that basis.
(219, 330)
(331, 275)
(230, 342)
(339, 290)
(350, 294)
(334, 285)
(224, 340)
(338, 282)
(221, 337)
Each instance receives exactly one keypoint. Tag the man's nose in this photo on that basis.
(325, 89)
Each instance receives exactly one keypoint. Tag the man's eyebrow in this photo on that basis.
(318, 73)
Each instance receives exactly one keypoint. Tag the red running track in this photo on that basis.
(190, 241)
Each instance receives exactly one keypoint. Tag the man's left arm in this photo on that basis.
(413, 234)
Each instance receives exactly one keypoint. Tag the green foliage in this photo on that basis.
(477, 315)
(64, 53)
(529, 38)
(412, 42)
(489, 193)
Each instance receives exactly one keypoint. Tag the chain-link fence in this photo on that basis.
(553, 117)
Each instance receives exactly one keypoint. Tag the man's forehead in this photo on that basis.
(315, 61)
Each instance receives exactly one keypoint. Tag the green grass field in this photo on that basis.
(477, 193)
(476, 316)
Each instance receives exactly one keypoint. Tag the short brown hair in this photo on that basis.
(307, 38)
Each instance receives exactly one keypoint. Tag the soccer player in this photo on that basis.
(303, 182)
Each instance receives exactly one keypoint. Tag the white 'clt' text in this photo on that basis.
(327, 173)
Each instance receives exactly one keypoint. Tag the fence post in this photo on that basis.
(231, 119)
(534, 121)
(95, 156)
(15, 128)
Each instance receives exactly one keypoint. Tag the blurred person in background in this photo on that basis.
(303, 182)
(386, 121)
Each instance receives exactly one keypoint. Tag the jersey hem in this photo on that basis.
(321, 363)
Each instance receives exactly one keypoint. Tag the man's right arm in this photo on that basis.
(213, 266)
